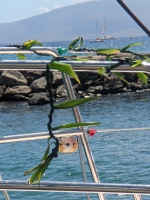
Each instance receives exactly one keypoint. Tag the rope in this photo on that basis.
(49, 84)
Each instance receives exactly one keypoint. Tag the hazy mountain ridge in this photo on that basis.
(68, 22)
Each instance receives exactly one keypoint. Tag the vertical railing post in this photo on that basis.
(4, 191)
(78, 118)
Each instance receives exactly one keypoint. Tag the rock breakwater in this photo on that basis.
(31, 86)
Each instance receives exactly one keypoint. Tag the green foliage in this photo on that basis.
(30, 43)
(27, 45)
(73, 103)
(118, 74)
(111, 51)
(21, 56)
(80, 59)
(108, 58)
(107, 51)
(75, 124)
(102, 71)
(131, 45)
(73, 44)
(142, 77)
(66, 68)
(39, 169)
(136, 63)
(80, 44)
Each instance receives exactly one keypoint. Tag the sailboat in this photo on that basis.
(132, 37)
(104, 32)
(98, 39)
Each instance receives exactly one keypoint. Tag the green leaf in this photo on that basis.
(42, 161)
(145, 58)
(108, 58)
(38, 174)
(80, 44)
(34, 168)
(66, 68)
(118, 74)
(107, 51)
(40, 169)
(28, 44)
(80, 59)
(137, 63)
(131, 45)
(46, 152)
(73, 103)
(31, 170)
(73, 43)
(76, 124)
(102, 71)
(21, 56)
(142, 77)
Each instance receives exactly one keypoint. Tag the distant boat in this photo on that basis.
(98, 39)
(132, 37)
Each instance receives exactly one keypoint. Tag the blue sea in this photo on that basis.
(120, 157)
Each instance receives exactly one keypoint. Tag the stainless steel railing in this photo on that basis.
(76, 187)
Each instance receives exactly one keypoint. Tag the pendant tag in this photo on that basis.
(68, 144)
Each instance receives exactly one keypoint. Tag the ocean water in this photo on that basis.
(120, 157)
(116, 43)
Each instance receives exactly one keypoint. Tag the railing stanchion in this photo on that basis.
(78, 118)
(4, 191)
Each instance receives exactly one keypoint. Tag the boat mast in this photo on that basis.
(97, 28)
(104, 29)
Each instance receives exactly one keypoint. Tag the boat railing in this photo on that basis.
(96, 187)
(76, 187)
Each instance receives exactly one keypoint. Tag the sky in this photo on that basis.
(15, 10)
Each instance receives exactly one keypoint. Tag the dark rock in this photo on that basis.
(86, 85)
(33, 75)
(123, 56)
(39, 85)
(112, 83)
(130, 77)
(95, 90)
(19, 97)
(57, 79)
(96, 58)
(134, 86)
(85, 77)
(16, 90)
(29, 79)
(12, 78)
(98, 82)
(2, 90)
(39, 99)
(144, 86)
(61, 92)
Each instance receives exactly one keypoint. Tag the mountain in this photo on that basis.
(68, 22)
